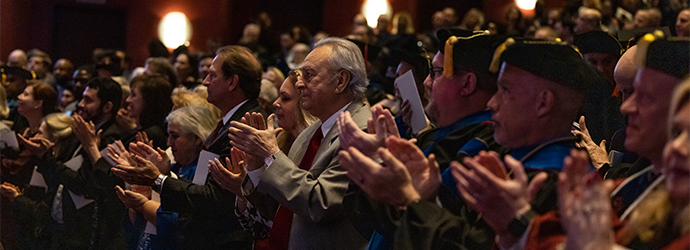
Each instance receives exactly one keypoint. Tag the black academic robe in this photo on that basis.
(425, 225)
(465, 137)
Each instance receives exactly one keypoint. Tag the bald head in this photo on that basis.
(17, 58)
(625, 72)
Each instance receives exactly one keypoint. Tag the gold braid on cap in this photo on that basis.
(448, 50)
(4, 76)
(448, 58)
(496, 60)
(643, 46)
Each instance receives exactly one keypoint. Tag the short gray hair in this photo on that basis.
(346, 55)
(196, 120)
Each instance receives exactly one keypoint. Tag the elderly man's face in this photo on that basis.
(512, 105)
(316, 83)
(647, 110)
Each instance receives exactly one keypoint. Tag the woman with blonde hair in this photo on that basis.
(292, 118)
(52, 211)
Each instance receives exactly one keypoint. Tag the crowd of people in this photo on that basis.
(566, 130)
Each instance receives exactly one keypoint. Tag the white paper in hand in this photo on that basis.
(202, 167)
(75, 163)
(37, 179)
(79, 200)
(150, 228)
(104, 154)
(408, 90)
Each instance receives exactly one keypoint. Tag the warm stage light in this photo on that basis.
(175, 30)
(372, 9)
(526, 4)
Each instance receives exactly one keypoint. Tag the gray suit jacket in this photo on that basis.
(315, 196)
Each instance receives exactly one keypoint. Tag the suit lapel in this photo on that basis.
(239, 113)
(299, 146)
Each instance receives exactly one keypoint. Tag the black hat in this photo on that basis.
(17, 71)
(474, 51)
(407, 50)
(671, 57)
(598, 41)
(554, 61)
(369, 51)
(444, 34)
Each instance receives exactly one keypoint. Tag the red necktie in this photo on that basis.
(216, 131)
(280, 232)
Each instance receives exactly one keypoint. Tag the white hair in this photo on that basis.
(196, 120)
(346, 55)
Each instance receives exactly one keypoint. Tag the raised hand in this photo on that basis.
(425, 172)
(254, 137)
(119, 154)
(36, 146)
(142, 137)
(406, 112)
(584, 205)
(158, 157)
(379, 127)
(390, 184)
(9, 191)
(131, 200)
(499, 199)
(231, 179)
(87, 135)
(596, 152)
(125, 122)
(143, 174)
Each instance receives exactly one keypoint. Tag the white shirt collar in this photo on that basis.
(328, 124)
(227, 116)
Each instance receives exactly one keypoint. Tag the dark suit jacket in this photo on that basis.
(207, 220)
(95, 181)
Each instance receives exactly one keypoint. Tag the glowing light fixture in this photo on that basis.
(372, 9)
(526, 4)
(175, 30)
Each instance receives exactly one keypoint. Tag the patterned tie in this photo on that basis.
(280, 232)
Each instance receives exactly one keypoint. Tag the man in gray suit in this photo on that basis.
(309, 182)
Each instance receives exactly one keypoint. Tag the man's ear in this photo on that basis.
(233, 82)
(343, 80)
(108, 107)
(469, 82)
(546, 102)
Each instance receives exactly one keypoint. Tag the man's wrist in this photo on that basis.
(158, 183)
(520, 223)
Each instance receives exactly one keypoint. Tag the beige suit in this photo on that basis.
(315, 196)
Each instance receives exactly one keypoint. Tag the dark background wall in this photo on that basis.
(73, 28)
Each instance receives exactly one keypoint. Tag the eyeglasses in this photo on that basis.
(435, 71)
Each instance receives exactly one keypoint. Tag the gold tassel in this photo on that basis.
(643, 47)
(496, 60)
(448, 59)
